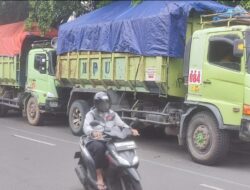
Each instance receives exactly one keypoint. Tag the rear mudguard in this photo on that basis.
(77, 155)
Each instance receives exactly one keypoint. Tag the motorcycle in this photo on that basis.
(121, 172)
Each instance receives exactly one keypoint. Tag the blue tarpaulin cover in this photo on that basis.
(151, 28)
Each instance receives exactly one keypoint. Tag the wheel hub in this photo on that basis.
(32, 110)
(77, 118)
(201, 137)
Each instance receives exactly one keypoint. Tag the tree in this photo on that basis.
(52, 13)
(245, 4)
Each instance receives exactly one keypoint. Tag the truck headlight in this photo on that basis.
(50, 95)
(53, 104)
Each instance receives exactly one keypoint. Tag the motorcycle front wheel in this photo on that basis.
(132, 184)
(88, 187)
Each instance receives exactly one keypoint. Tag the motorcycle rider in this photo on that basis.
(94, 143)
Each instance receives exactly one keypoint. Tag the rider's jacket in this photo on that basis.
(107, 119)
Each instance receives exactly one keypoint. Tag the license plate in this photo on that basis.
(125, 145)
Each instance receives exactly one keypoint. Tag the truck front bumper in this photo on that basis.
(245, 130)
(53, 106)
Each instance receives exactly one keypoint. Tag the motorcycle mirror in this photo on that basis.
(94, 123)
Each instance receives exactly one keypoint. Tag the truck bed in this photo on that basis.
(122, 72)
(9, 71)
(125, 72)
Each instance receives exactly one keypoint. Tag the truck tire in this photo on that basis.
(206, 143)
(77, 113)
(3, 110)
(33, 112)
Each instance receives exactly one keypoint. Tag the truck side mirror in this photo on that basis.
(238, 48)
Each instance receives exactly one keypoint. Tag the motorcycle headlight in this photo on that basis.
(121, 160)
(135, 160)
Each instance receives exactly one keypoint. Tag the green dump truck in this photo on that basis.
(27, 74)
(204, 99)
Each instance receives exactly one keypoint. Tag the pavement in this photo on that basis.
(41, 158)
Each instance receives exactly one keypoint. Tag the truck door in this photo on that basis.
(220, 80)
(37, 74)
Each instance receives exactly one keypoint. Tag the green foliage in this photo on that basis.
(246, 4)
(52, 13)
(243, 3)
(103, 3)
(42, 13)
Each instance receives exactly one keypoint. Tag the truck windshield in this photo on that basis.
(248, 50)
(52, 62)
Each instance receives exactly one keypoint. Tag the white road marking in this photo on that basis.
(196, 173)
(72, 142)
(147, 161)
(34, 140)
(211, 187)
(45, 136)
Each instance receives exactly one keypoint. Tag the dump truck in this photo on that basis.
(202, 98)
(27, 73)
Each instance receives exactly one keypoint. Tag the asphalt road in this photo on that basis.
(41, 158)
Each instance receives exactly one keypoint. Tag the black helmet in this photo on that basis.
(102, 101)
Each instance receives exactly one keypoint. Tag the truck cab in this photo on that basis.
(28, 82)
(218, 91)
(45, 94)
(219, 74)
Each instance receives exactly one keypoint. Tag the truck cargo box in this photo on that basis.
(125, 71)
(150, 28)
(15, 43)
(121, 71)
(9, 70)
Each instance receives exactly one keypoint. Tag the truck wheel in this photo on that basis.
(77, 113)
(3, 110)
(206, 143)
(33, 112)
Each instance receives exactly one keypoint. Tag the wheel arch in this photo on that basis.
(25, 99)
(194, 108)
(81, 94)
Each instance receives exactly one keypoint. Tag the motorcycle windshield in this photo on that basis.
(118, 133)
